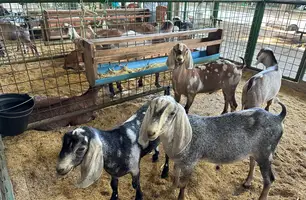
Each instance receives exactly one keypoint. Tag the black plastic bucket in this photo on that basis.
(15, 110)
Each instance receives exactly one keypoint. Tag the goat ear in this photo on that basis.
(171, 60)
(143, 137)
(188, 59)
(182, 132)
(92, 165)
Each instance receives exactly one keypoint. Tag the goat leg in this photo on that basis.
(111, 89)
(136, 186)
(190, 99)
(225, 109)
(233, 102)
(177, 97)
(165, 171)
(247, 183)
(140, 82)
(157, 80)
(34, 49)
(119, 86)
(114, 185)
(182, 193)
(268, 177)
(268, 105)
(185, 175)
(155, 155)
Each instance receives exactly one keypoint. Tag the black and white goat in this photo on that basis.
(183, 26)
(188, 80)
(116, 150)
(224, 139)
(264, 86)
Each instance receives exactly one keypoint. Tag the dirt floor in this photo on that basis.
(32, 157)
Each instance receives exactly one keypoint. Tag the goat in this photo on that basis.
(222, 140)
(116, 150)
(54, 107)
(264, 86)
(183, 26)
(13, 31)
(188, 80)
(77, 55)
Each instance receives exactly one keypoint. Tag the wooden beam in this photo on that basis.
(116, 40)
(89, 61)
(142, 51)
(98, 11)
(59, 19)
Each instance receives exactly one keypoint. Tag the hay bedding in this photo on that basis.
(32, 158)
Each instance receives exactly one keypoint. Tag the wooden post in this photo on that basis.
(89, 61)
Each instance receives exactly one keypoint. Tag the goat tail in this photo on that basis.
(243, 63)
(283, 114)
(250, 83)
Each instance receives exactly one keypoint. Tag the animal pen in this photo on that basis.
(122, 50)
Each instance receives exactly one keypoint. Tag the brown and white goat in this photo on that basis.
(264, 86)
(189, 80)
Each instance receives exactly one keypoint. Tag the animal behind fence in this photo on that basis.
(188, 79)
(14, 31)
(116, 150)
(221, 140)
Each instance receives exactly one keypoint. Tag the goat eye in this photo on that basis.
(172, 113)
(80, 150)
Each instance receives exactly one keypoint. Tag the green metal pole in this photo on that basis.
(254, 33)
(6, 188)
(215, 13)
(169, 12)
(185, 11)
(302, 69)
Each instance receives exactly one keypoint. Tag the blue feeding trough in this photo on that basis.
(198, 58)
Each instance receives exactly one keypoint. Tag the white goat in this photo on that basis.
(221, 140)
(188, 80)
(264, 86)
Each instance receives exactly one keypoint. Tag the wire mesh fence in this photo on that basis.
(37, 37)
(282, 30)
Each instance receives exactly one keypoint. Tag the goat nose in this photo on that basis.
(151, 133)
(179, 59)
(59, 171)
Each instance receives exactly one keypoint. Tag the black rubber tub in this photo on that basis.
(15, 110)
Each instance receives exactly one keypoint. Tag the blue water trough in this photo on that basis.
(198, 58)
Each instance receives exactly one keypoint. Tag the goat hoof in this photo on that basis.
(154, 158)
(246, 185)
(114, 196)
(157, 85)
(165, 173)
(138, 195)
